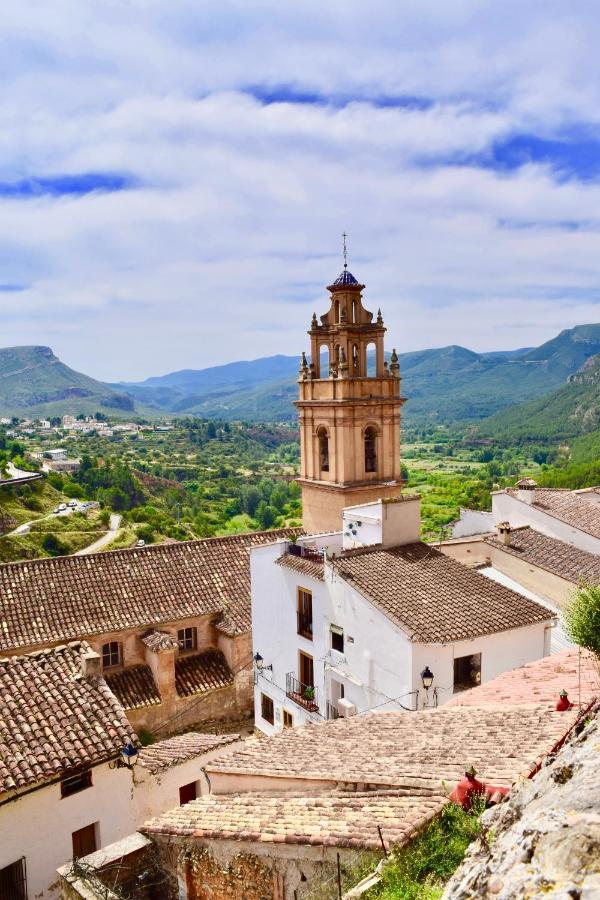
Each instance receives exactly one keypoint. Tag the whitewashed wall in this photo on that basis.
(40, 825)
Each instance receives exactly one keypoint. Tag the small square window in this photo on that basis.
(186, 638)
(467, 672)
(75, 783)
(288, 721)
(111, 654)
(84, 841)
(267, 710)
(337, 639)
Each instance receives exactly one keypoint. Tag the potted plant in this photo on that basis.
(309, 692)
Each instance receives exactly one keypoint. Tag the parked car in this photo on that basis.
(60, 508)
(73, 503)
(141, 543)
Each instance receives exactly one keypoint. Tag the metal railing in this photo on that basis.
(305, 624)
(305, 695)
(305, 552)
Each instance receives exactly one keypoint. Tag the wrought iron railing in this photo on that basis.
(305, 695)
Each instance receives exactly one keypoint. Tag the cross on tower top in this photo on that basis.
(345, 249)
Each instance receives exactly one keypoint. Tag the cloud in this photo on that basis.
(174, 178)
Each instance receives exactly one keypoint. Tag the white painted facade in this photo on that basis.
(379, 667)
(39, 825)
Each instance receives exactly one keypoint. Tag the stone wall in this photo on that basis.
(544, 841)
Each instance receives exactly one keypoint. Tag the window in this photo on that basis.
(187, 792)
(288, 721)
(370, 449)
(337, 638)
(267, 710)
(467, 672)
(186, 638)
(13, 881)
(323, 439)
(111, 654)
(307, 670)
(305, 614)
(84, 841)
(75, 783)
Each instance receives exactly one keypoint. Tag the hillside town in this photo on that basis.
(272, 714)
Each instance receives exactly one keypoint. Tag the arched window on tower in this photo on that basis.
(337, 311)
(371, 360)
(323, 439)
(323, 361)
(370, 449)
(354, 319)
(355, 360)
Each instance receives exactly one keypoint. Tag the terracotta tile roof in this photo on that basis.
(175, 750)
(63, 598)
(538, 683)
(551, 554)
(332, 819)
(304, 566)
(53, 720)
(574, 507)
(159, 640)
(134, 686)
(201, 672)
(432, 597)
(404, 749)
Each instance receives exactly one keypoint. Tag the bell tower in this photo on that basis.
(349, 410)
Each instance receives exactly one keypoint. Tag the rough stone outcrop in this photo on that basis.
(544, 841)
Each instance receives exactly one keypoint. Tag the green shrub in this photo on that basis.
(582, 618)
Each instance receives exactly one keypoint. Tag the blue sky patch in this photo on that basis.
(67, 185)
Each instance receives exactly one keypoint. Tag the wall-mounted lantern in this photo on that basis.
(260, 663)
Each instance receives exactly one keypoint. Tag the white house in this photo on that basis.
(363, 618)
(64, 791)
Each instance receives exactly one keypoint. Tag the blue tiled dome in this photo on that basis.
(345, 278)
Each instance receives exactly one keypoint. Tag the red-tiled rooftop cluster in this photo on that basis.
(576, 508)
(53, 719)
(549, 553)
(432, 597)
(175, 750)
(61, 599)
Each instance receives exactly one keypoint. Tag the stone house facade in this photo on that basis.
(171, 624)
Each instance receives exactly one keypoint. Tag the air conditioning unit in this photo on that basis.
(345, 708)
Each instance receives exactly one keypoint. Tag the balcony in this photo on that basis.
(305, 625)
(305, 552)
(305, 695)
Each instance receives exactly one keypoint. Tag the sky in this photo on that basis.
(175, 176)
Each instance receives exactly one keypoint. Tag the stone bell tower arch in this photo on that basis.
(349, 410)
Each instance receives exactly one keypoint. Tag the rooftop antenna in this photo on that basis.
(345, 249)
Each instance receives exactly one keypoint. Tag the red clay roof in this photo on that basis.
(577, 508)
(549, 553)
(53, 720)
(432, 597)
(538, 683)
(333, 819)
(201, 672)
(134, 686)
(175, 750)
(67, 597)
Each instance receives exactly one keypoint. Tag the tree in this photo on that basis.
(582, 618)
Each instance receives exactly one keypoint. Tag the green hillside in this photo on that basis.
(572, 411)
(34, 382)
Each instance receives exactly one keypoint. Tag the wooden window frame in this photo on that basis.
(87, 829)
(337, 634)
(288, 719)
(265, 700)
(108, 654)
(187, 643)
(304, 605)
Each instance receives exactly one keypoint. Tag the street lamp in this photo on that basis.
(129, 756)
(427, 677)
(260, 663)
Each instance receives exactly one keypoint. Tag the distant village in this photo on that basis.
(272, 714)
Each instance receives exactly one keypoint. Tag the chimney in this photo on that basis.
(504, 531)
(526, 490)
(90, 663)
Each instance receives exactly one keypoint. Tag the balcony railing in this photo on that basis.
(305, 552)
(305, 625)
(305, 695)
